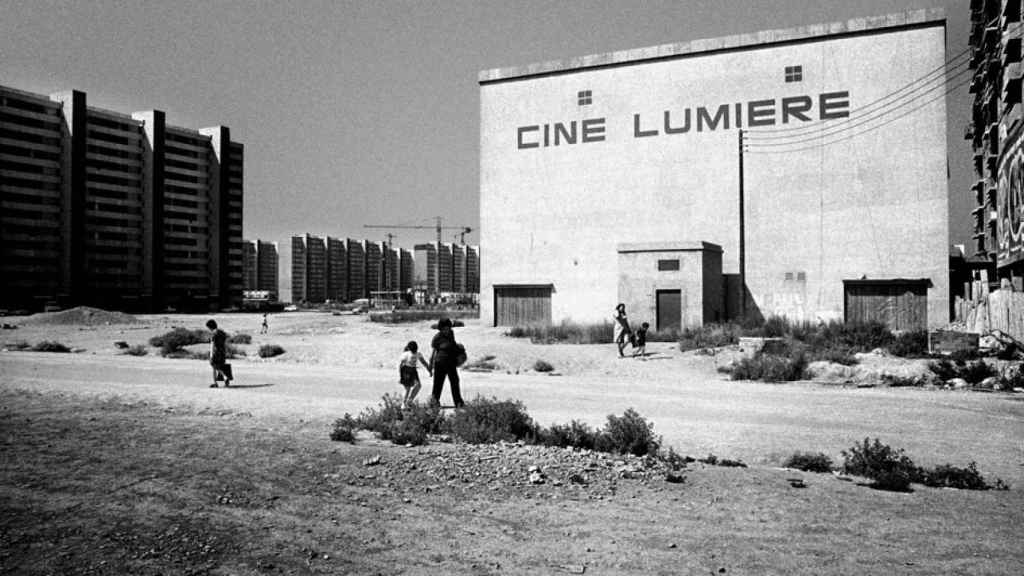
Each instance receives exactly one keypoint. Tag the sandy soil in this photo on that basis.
(338, 364)
(165, 475)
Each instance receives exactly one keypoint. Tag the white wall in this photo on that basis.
(874, 205)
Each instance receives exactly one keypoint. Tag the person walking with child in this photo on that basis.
(408, 374)
(445, 361)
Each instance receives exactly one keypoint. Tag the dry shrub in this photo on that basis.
(565, 333)
(240, 338)
(809, 462)
(630, 433)
(542, 366)
(771, 368)
(49, 346)
(488, 420)
(270, 350)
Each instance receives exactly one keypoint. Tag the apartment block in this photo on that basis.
(337, 270)
(374, 268)
(116, 210)
(260, 261)
(473, 269)
(267, 261)
(249, 265)
(444, 267)
(406, 268)
(309, 267)
(392, 269)
(458, 268)
(425, 268)
(356, 269)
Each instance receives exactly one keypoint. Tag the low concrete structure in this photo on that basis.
(671, 284)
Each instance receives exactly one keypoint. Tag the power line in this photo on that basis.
(914, 85)
(861, 115)
(849, 136)
(838, 128)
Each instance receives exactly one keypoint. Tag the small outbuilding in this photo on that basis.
(671, 285)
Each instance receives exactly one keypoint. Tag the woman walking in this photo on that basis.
(622, 332)
(444, 361)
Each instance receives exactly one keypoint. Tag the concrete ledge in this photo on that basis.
(685, 246)
(935, 16)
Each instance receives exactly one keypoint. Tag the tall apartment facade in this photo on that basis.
(260, 261)
(996, 135)
(406, 267)
(116, 210)
(309, 269)
(356, 269)
(425, 269)
(473, 269)
(337, 270)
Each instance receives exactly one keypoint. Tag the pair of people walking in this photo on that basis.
(445, 358)
(623, 333)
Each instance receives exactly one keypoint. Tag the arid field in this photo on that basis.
(116, 464)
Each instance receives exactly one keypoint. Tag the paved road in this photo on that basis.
(696, 412)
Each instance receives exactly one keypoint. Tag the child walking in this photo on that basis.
(407, 372)
(640, 342)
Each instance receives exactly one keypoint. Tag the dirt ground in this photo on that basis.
(128, 460)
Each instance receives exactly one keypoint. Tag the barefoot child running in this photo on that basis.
(407, 373)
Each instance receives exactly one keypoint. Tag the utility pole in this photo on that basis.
(743, 238)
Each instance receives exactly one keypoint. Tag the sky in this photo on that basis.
(357, 113)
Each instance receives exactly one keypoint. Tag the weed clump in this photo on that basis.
(888, 468)
(171, 342)
(771, 368)
(576, 434)
(137, 350)
(484, 421)
(240, 338)
(630, 433)
(483, 364)
(709, 336)
(270, 350)
(972, 372)
(49, 346)
(344, 429)
(809, 462)
(542, 366)
(565, 333)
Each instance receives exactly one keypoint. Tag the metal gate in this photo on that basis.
(670, 309)
(900, 304)
(522, 305)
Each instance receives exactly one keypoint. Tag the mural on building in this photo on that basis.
(1010, 204)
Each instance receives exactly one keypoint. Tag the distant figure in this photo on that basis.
(622, 332)
(444, 361)
(219, 355)
(408, 374)
(265, 327)
(640, 341)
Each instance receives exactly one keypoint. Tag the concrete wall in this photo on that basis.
(698, 279)
(874, 205)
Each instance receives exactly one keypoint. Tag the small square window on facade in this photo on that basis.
(584, 97)
(789, 276)
(794, 73)
(668, 265)
(801, 276)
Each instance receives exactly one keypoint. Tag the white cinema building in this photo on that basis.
(617, 178)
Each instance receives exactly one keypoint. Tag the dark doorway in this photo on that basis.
(670, 309)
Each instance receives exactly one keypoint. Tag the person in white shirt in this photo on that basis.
(408, 374)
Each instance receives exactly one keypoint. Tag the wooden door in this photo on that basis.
(522, 305)
(670, 309)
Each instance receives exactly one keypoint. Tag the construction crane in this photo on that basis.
(463, 230)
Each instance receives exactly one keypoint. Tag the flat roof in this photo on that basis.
(668, 246)
(871, 24)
